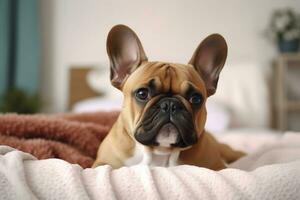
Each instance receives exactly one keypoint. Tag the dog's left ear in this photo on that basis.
(209, 59)
(125, 52)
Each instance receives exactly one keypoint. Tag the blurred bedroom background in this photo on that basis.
(53, 55)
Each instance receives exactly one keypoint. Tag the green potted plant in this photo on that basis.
(17, 100)
(284, 29)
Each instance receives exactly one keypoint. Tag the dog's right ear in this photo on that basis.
(125, 52)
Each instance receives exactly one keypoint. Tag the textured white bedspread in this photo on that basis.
(273, 172)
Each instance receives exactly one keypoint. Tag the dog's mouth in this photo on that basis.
(166, 135)
(166, 129)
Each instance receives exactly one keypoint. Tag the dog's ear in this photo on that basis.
(209, 59)
(125, 52)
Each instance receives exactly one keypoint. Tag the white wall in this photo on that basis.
(74, 33)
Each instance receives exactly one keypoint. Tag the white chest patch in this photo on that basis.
(142, 155)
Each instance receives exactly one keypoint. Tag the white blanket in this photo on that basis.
(272, 172)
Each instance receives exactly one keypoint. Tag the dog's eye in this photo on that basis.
(142, 94)
(195, 99)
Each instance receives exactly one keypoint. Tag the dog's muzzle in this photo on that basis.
(167, 123)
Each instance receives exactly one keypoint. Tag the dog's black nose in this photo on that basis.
(170, 105)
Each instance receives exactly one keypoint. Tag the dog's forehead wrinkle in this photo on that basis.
(189, 85)
(168, 77)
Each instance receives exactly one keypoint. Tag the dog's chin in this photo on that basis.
(168, 138)
(167, 135)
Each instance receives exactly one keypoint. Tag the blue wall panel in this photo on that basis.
(28, 55)
(3, 43)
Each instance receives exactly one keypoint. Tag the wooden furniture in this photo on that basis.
(286, 92)
(78, 86)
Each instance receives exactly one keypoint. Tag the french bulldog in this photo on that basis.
(163, 113)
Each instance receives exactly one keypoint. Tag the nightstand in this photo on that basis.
(286, 92)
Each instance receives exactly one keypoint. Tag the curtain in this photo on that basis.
(19, 45)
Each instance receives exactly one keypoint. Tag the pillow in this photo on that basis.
(97, 104)
(244, 90)
(218, 116)
(98, 80)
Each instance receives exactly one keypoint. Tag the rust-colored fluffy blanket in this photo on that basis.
(72, 137)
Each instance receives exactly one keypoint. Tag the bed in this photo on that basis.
(269, 171)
